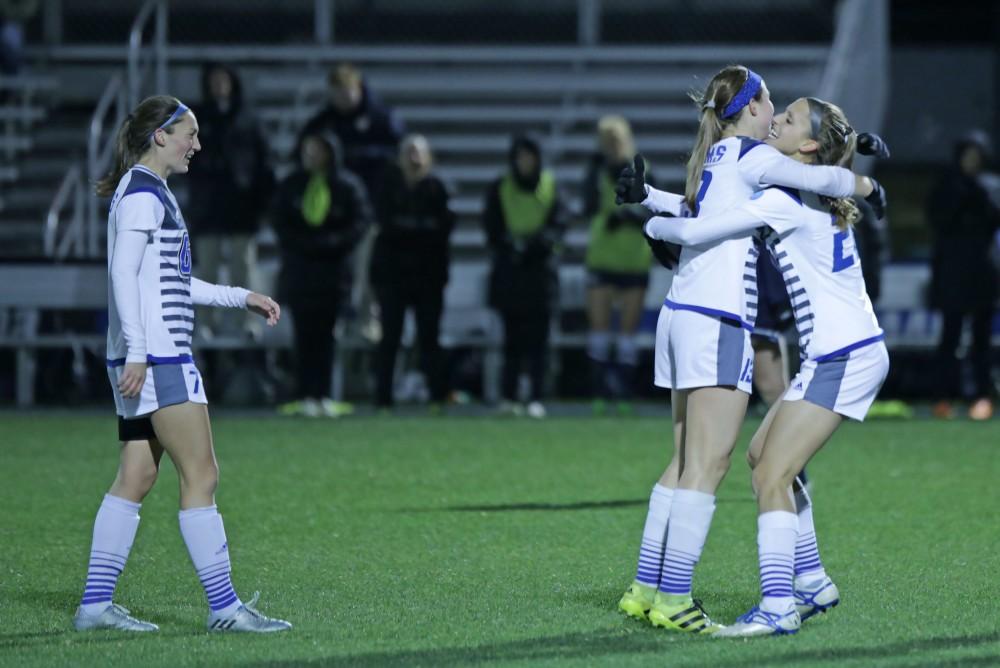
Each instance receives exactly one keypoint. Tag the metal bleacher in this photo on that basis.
(468, 101)
(27, 99)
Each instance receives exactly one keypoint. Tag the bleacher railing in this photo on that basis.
(108, 116)
(58, 243)
(123, 91)
(156, 55)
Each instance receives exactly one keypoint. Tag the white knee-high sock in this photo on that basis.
(776, 534)
(627, 350)
(206, 542)
(690, 518)
(808, 566)
(599, 346)
(654, 536)
(114, 530)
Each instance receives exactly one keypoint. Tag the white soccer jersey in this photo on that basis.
(144, 203)
(719, 277)
(821, 269)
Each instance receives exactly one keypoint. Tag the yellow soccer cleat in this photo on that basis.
(637, 600)
(681, 613)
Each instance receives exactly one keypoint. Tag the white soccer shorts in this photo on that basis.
(846, 385)
(698, 350)
(166, 385)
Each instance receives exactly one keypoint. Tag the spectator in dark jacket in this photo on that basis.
(524, 221)
(367, 129)
(231, 186)
(964, 281)
(320, 213)
(370, 134)
(410, 264)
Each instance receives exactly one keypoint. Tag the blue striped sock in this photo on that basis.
(654, 536)
(690, 518)
(807, 561)
(206, 542)
(776, 533)
(114, 530)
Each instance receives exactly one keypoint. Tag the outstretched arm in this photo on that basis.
(694, 231)
(204, 293)
(210, 294)
(764, 165)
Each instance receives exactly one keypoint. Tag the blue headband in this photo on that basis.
(180, 111)
(747, 93)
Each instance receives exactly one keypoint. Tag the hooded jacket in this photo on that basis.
(315, 253)
(370, 136)
(524, 219)
(964, 221)
(231, 178)
(415, 225)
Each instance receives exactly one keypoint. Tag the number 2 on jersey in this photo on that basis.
(841, 262)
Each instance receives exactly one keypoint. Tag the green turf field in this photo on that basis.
(455, 541)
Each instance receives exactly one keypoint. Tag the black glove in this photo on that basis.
(870, 143)
(631, 186)
(876, 199)
(666, 253)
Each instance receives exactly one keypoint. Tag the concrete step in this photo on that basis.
(475, 85)
(42, 167)
(15, 143)
(479, 114)
(22, 114)
(29, 197)
(496, 145)
(20, 237)
(64, 137)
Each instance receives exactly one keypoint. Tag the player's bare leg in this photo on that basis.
(797, 432)
(185, 432)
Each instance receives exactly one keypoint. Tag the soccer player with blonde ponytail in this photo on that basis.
(844, 358)
(703, 350)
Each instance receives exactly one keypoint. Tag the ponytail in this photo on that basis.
(837, 142)
(845, 212)
(134, 138)
(122, 160)
(709, 132)
(713, 105)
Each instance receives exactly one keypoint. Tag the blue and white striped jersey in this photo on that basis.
(719, 277)
(144, 203)
(820, 266)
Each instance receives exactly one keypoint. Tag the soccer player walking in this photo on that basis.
(159, 393)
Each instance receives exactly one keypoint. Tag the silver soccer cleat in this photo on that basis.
(247, 619)
(113, 617)
(816, 597)
(759, 622)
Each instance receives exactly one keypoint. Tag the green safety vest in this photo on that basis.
(525, 212)
(622, 249)
(316, 200)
